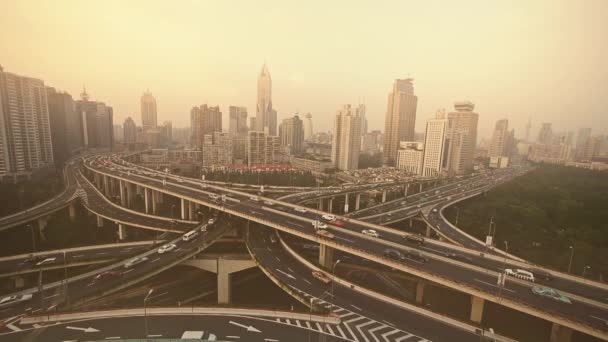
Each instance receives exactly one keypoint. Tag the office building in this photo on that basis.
(590, 149)
(118, 133)
(581, 140)
(500, 139)
(148, 111)
(204, 120)
(98, 124)
(266, 116)
(400, 118)
(410, 156)
(291, 134)
(66, 126)
(195, 126)
(550, 153)
(308, 130)
(545, 135)
(25, 132)
(129, 131)
(463, 137)
(310, 163)
(362, 113)
(217, 149)
(166, 133)
(346, 144)
(238, 120)
(436, 146)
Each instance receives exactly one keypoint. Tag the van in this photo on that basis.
(189, 235)
(521, 274)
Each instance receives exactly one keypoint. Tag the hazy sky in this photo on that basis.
(547, 60)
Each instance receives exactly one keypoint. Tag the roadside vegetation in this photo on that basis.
(542, 214)
(279, 178)
(17, 197)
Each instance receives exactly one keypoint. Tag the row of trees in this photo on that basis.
(16, 197)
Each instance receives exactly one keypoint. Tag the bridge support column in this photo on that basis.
(154, 199)
(223, 284)
(191, 215)
(476, 309)
(407, 188)
(560, 333)
(99, 221)
(383, 196)
(159, 197)
(326, 256)
(130, 194)
(420, 187)
(42, 222)
(346, 204)
(330, 207)
(123, 196)
(139, 190)
(357, 202)
(321, 204)
(72, 211)
(106, 186)
(122, 231)
(19, 282)
(183, 203)
(97, 178)
(428, 230)
(146, 200)
(419, 292)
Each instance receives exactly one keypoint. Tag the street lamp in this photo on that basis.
(145, 313)
(310, 316)
(585, 270)
(571, 256)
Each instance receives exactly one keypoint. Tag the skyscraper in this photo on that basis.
(238, 120)
(195, 126)
(545, 135)
(346, 145)
(148, 111)
(400, 118)
(436, 146)
(66, 126)
(581, 140)
(291, 132)
(204, 120)
(129, 131)
(98, 122)
(266, 117)
(463, 137)
(262, 148)
(308, 132)
(25, 133)
(500, 139)
(362, 112)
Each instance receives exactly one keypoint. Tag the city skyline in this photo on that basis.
(493, 80)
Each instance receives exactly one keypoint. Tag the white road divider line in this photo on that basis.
(356, 307)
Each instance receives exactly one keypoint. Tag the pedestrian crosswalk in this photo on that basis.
(355, 327)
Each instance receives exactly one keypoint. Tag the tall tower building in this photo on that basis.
(266, 117)
(195, 126)
(66, 126)
(436, 146)
(346, 144)
(97, 122)
(400, 118)
(238, 120)
(362, 112)
(204, 120)
(463, 137)
(25, 132)
(545, 135)
(129, 131)
(148, 111)
(308, 132)
(291, 133)
(500, 139)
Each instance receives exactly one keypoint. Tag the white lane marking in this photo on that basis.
(373, 330)
(345, 239)
(102, 253)
(309, 283)
(360, 326)
(403, 337)
(290, 270)
(51, 296)
(352, 334)
(601, 319)
(78, 256)
(127, 271)
(387, 334)
(286, 274)
(319, 327)
(158, 295)
(232, 336)
(308, 325)
(288, 321)
(112, 338)
(389, 323)
(155, 260)
(271, 340)
(13, 327)
(340, 331)
(356, 307)
(331, 331)
(493, 285)
(298, 323)
(277, 258)
(157, 335)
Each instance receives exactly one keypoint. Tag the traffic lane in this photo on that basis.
(283, 265)
(168, 327)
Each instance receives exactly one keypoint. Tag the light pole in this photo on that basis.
(172, 210)
(310, 316)
(571, 256)
(333, 273)
(145, 313)
(585, 270)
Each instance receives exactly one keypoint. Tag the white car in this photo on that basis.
(329, 217)
(267, 202)
(319, 225)
(211, 220)
(134, 262)
(370, 232)
(14, 299)
(46, 261)
(166, 248)
(301, 210)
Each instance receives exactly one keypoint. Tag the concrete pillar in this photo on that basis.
(321, 204)
(154, 201)
(407, 188)
(331, 205)
(183, 203)
(147, 200)
(99, 221)
(139, 190)
(383, 196)
(411, 222)
(106, 186)
(130, 195)
(428, 231)
(326, 256)
(223, 284)
(42, 222)
(122, 232)
(191, 216)
(560, 333)
(419, 291)
(72, 211)
(357, 201)
(420, 187)
(19, 282)
(476, 309)
(159, 197)
(97, 178)
(123, 195)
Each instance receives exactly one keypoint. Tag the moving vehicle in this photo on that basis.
(321, 276)
(301, 210)
(325, 234)
(135, 261)
(273, 238)
(414, 238)
(268, 203)
(329, 217)
(198, 336)
(166, 248)
(521, 274)
(370, 232)
(319, 225)
(542, 274)
(189, 235)
(550, 293)
(254, 198)
(416, 256)
(214, 196)
(6, 301)
(46, 261)
(211, 220)
(103, 276)
(394, 254)
(435, 210)
(338, 223)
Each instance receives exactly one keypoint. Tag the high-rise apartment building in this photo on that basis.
(129, 131)
(204, 120)
(25, 132)
(500, 139)
(195, 126)
(400, 118)
(308, 131)
(98, 122)
(66, 126)
(238, 120)
(262, 148)
(166, 133)
(148, 111)
(346, 144)
(266, 116)
(463, 137)
(436, 146)
(581, 139)
(410, 156)
(545, 135)
(372, 142)
(217, 149)
(291, 133)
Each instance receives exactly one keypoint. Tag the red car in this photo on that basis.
(338, 223)
(321, 276)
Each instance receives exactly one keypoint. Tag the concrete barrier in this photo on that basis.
(78, 249)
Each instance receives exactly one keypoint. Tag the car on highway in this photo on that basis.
(189, 235)
(542, 274)
(214, 196)
(370, 232)
(135, 261)
(6, 301)
(301, 210)
(198, 336)
(103, 276)
(166, 248)
(319, 225)
(338, 223)
(520, 274)
(329, 217)
(211, 220)
(254, 198)
(321, 276)
(268, 203)
(550, 293)
(414, 238)
(325, 234)
(434, 210)
(394, 254)
(416, 256)
(46, 261)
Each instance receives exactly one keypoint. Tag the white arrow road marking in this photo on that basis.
(13, 327)
(373, 331)
(286, 274)
(386, 335)
(87, 330)
(248, 327)
(361, 331)
(403, 337)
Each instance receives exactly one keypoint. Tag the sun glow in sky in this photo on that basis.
(545, 59)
